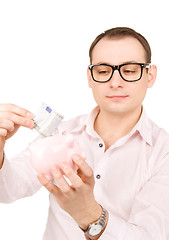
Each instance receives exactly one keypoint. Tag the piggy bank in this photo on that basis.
(49, 151)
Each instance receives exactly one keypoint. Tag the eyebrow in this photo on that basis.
(120, 63)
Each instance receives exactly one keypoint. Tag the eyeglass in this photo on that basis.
(130, 72)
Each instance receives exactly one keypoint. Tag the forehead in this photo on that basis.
(117, 51)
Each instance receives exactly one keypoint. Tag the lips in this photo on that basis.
(118, 97)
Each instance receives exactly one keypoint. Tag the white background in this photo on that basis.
(44, 56)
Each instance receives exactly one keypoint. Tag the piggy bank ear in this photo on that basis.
(66, 132)
(69, 139)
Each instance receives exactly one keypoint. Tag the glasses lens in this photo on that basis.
(102, 73)
(131, 72)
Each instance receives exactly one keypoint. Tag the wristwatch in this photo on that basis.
(97, 227)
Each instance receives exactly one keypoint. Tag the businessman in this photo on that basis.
(121, 188)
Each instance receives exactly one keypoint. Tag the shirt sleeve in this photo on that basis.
(149, 217)
(17, 178)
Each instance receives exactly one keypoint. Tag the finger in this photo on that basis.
(16, 119)
(16, 109)
(75, 180)
(60, 180)
(3, 132)
(52, 188)
(84, 169)
(7, 124)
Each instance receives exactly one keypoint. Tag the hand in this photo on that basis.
(11, 118)
(76, 198)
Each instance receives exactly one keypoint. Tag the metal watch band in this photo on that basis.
(101, 222)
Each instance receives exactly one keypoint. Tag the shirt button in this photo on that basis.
(100, 144)
(98, 176)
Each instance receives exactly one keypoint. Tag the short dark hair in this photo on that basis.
(122, 32)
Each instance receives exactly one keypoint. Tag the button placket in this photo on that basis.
(97, 173)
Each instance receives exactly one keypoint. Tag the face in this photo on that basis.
(118, 96)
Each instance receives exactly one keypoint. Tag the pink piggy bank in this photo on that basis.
(52, 151)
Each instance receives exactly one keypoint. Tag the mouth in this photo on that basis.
(117, 97)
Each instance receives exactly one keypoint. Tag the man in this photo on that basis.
(121, 189)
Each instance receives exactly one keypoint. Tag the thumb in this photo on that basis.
(2, 143)
(10, 134)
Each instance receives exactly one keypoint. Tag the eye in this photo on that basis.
(104, 72)
(127, 71)
(130, 69)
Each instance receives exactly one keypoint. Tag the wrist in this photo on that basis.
(95, 229)
(91, 215)
(98, 236)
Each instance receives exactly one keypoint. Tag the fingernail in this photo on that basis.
(29, 124)
(40, 176)
(12, 129)
(29, 115)
(75, 157)
(54, 169)
(64, 166)
(43, 178)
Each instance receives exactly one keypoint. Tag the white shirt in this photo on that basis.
(131, 182)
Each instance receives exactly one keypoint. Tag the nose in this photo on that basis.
(116, 81)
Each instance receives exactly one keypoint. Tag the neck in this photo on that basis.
(111, 127)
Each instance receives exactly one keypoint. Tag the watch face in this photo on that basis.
(95, 229)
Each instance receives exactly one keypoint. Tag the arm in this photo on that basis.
(17, 177)
(149, 214)
(11, 118)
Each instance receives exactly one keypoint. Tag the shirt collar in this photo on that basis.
(80, 123)
(143, 126)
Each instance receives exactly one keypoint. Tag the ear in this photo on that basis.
(89, 77)
(152, 74)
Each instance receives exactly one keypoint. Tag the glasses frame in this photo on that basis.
(118, 67)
